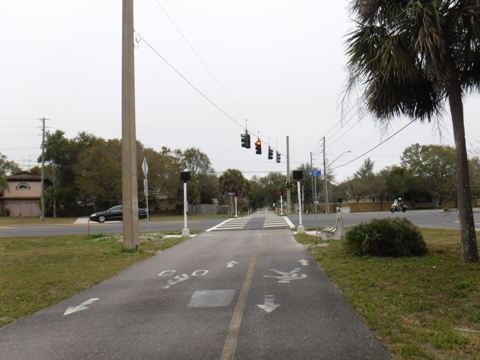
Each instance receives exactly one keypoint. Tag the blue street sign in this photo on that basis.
(314, 172)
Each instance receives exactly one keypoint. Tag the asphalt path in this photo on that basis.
(251, 294)
(422, 218)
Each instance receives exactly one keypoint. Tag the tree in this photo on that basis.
(412, 56)
(435, 166)
(474, 169)
(264, 190)
(361, 184)
(233, 180)
(6, 168)
(98, 173)
(203, 186)
(62, 155)
(380, 187)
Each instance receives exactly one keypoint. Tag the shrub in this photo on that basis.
(386, 237)
(7, 212)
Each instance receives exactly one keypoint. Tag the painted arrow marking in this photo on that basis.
(286, 277)
(269, 304)
(82, 306)
(303, 262)
(231, 263)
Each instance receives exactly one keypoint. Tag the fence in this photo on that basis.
(208, 209)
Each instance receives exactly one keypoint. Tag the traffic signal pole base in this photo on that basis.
(185, 232)
(300, 229)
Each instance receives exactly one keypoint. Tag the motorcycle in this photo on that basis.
(398, 207)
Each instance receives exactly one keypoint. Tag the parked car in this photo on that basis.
(115, 213)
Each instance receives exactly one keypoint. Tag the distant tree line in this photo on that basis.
(87, 169)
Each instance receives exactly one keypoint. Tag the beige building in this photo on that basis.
(22, 198)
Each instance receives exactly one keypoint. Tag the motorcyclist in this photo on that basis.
(400, 202)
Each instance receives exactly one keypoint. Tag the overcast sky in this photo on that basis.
(280, 65)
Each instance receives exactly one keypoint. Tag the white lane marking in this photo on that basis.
(285, 277)
(269, 304)
(231, 263)
(200, 273)
(303, 262)
(216, 226)
(167, 273)
(82, 306)
(289, 222)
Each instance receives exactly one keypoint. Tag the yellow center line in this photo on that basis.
(232, 336)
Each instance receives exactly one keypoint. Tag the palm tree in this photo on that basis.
(413, 56)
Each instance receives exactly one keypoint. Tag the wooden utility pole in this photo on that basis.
(129, 141)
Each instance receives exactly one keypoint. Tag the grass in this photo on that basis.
(421, 307)
(37, 272)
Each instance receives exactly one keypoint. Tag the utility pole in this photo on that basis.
(327, 210)
(129, 144)
(314, 198)
(289, 204)
(42, 217)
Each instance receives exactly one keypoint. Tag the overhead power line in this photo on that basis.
(139, 38)
(199, 58)
(358, 157)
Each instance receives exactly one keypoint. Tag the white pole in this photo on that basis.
(281, 205)
(300, 227)
(185, 231)
(148, 210)
(236, 213)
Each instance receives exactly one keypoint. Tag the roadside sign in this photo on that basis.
(231, 193)
(315, 173)
(145, 167)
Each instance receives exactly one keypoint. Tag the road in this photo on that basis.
(224, 294)
(422, 218)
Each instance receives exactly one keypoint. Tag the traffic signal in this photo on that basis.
(278, 157)
(280, 192)
(288, 184)
(234, 193)
(244, 140)
(258, 147)
(270, 153)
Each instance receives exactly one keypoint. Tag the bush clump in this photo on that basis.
(386, 237)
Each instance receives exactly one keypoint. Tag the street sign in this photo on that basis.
(145, 167)
(231, 193)
(315, 173)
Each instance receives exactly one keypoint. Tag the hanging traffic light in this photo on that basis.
(258, 147)
(278, 157)
(270, 153)
(245, 140)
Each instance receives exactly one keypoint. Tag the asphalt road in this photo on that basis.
(422, 218)
(251, 294)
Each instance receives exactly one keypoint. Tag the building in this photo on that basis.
(22, 198)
